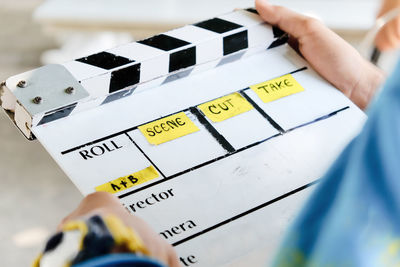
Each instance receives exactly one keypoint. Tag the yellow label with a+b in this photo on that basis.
(168, 128)
(225, 107)
(277, 88)
(129, 181)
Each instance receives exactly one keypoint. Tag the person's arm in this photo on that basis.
(353, 215)
(389, 36)
(331, 56)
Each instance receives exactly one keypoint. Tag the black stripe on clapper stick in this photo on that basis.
(221, 140)
(125, 77)
(262, 112)
(105, 60)
(144, 154)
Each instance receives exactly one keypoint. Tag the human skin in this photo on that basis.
(331, 56)
(102, 203)
(388, 37)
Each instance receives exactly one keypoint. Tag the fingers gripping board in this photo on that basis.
(214, 139)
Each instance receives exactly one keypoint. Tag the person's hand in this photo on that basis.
(331, 56)
(389, 36)
(102, 203)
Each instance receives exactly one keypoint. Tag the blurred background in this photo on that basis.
(34, 193)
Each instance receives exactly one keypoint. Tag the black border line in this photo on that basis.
(228, 155)
(117, 133)
(135, 127)
(145, 155)
(262, 112)
(234, 218)
(195, 167)
(97, 141)
(219, 137)
(319, 119)
(296, 71)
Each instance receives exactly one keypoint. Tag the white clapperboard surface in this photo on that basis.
(214, 133)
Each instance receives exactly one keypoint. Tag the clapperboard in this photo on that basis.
(214, 133)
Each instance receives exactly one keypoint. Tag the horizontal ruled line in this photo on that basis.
(228, 155)
(196, 167)
(135, 127)
(319, 119)
(266, 204)
(97, 141)
(115, 134)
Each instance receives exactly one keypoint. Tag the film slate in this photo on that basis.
(214, 133)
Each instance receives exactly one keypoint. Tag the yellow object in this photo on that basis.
(77, 225)
(168, 128)
(277, 88)
(36, 261)
(125, 236)
(225, 107)
(129, 181)
(69, 226)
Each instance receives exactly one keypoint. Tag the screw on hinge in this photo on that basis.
(21, 84)
(37, 100)
(70, 90)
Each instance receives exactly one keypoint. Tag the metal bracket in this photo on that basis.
(45, 89)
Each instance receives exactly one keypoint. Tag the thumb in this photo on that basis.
(266, 11)
(295, 24)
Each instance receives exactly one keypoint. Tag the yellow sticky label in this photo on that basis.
(277, 88)
(225, 107)
(168, 128)
(129, 181)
